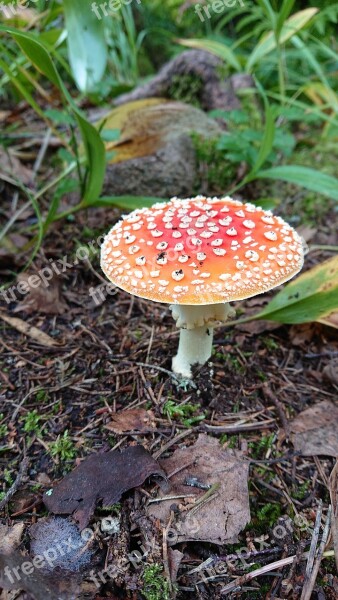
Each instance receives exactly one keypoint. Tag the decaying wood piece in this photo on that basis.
(215, 91)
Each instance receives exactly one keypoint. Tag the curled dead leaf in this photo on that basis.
(134, 419)
(41, 299)
(101, 478)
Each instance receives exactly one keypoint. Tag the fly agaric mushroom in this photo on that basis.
(197, 255)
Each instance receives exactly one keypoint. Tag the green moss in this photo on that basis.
(155, 586)
(63, 448)
(212, 167)
(186, 88)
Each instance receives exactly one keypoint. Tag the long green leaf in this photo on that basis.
(87, 47)
(220, 50)
(283, 14)
(305, 177)
(94, 146)
(269, 42)
(268, 137)
(310, 297)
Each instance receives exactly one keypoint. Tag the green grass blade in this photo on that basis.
(94, 146)
(221, 50)
(313, 180)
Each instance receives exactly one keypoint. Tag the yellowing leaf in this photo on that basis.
(147, 125)
(321, 94)
(221, 50)
(268, 43)
(313, 296)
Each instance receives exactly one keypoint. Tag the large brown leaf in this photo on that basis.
(101, 477)
(201, 514)
(315, 430)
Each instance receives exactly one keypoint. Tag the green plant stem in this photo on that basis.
(55, 181)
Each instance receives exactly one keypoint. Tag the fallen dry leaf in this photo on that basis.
(334, 502)
(315, 430)
(302, 334)
(101, 477)
(33, 332)
(216, 518)
(41, 299)
(330, 372)
(175, 558)
(134, 419)
(12, 170)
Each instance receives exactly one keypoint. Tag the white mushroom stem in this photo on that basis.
(196, 335)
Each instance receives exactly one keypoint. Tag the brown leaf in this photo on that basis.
(334, 502)
(330, 320)
(221, 516)
(33, 332)
(134, 419)
(12, 170)
(100, 477)
(306, 232)
(257, 327)
(175, 558)
(302, 334)
(41, 299)
(10, 537)
(315, 430)
(330, 372)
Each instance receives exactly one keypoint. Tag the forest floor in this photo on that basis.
(106, 354)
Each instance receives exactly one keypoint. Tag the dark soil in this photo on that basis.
(118, 354)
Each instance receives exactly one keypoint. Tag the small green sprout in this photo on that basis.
(63, 448)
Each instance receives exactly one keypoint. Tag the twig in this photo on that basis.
(280, 408)
(165, 552)
(164, 498)
(237, 428)
(310, 582)
(314, 541)
(240, 581)
(16, 484)
(172, 442)
(205, 498)
(146, 366)
(334, 503)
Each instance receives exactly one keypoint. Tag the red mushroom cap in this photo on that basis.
(201, 251)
